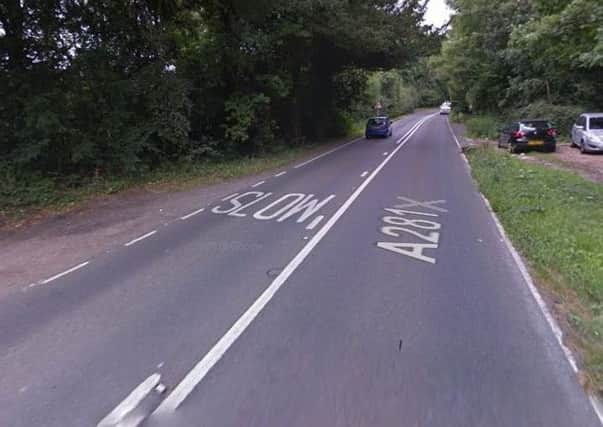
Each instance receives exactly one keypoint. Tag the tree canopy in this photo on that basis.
(120, 86)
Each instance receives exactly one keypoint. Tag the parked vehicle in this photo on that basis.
(528, 134)
(445, 108)
(587, 133)
(380, 126)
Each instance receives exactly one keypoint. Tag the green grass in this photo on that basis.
(555, 219)
(21, 200)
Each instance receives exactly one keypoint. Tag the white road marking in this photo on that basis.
(138, 239)
(557, 332)
(200, 370)
(365, 173)
(386, 153)
(410, 203)
(453, 134)
(280, 174)
(598, 407)
(257, 184)
(64, 273)
(116, 416)
(325, 153)
(198, 211)
(230, 197)
(315, 222)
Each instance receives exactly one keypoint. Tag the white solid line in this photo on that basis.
(534, 291)
(117, 415)
(598, 407)
(315, 222)
(200, 370)
(280, 174)
(257, 184)
(198, 211)
(64, 273)
(326, 153)
(365, 173)
(453, 134)
(138, 239)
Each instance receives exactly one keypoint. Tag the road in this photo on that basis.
(368, 286)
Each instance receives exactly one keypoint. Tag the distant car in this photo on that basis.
(527, 134)
(445, 108)
(378, 127)
(587, 133)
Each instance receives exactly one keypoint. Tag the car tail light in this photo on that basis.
(518, 134)
(551, 132)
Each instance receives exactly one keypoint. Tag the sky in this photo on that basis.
(437, 13)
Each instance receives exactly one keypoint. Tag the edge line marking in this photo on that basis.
(138, 239)
(64, 273)
(198, 211)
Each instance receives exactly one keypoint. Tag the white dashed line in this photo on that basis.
(230, 197)
(198, 211)
(280, 174)
(326, 153)
(315, 222)
(386, 153)
(365, 173)
(64, 273)
(138, 239)
(201, 369)
(257, 184)
(117, 416)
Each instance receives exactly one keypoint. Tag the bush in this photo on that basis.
(483, 126)
(562, 116)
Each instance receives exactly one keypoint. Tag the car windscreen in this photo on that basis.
(595, 123)
(535, 124)
(376, 122)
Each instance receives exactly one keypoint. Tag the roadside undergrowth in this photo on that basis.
(554, 218)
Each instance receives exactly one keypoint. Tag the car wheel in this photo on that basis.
(582, 147)
(512, 149)
(551, 149)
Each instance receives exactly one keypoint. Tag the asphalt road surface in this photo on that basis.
(367, 287)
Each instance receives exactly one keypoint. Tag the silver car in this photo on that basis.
(587, 133)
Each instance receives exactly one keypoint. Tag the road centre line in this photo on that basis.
(365, 173)
(138, 239)
(64, 273)
(257, 184)
(201, 369)
(280, 174)
(198, 211)
(315, 222)
(326, 153)
(122, 410)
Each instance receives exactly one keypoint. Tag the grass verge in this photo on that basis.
(554, 218)
(24, 201)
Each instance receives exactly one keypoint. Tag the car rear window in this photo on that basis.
(376, 122)
(536, 124)
(596, 123)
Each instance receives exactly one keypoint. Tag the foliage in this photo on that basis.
(543, 209)
(500, 58)
(109, 88)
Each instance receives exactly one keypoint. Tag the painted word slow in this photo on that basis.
(269, 207)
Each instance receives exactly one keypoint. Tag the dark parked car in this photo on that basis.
(528, 134)
(378, 126)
